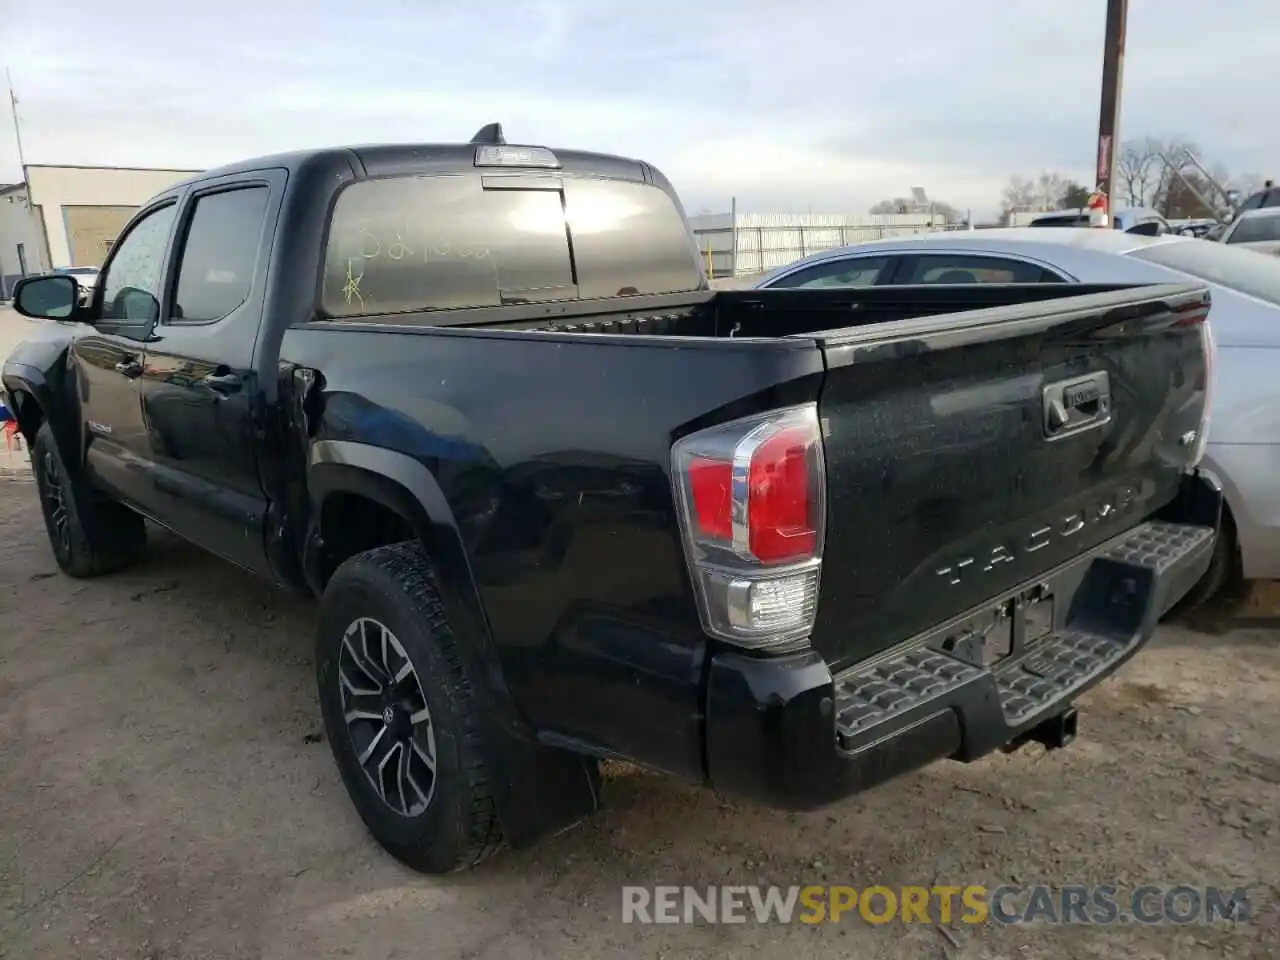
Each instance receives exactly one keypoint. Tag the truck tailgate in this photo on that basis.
(969, 454)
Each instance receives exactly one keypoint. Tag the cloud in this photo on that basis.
(805, 105)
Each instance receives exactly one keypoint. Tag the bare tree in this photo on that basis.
(1048, 191)
(1170, 176)
(1139, 170)
(1019, 194)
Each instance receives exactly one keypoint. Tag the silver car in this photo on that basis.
(1257, 230)
(1244, 434)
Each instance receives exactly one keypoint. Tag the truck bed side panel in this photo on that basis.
(553, 454)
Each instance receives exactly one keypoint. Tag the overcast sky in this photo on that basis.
(827, 105)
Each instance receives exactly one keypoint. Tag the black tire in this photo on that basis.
(392, 587)
(90, 533)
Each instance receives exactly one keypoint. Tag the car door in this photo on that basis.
(947, 267)
(199, 387)
(107, 362)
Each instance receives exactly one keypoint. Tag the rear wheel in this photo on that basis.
(90, 534)
(400, 715)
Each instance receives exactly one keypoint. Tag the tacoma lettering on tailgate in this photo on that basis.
(986, 561)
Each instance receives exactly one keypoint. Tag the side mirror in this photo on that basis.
(47, 298)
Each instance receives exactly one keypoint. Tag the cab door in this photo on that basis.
(200, 390)
(108, 361)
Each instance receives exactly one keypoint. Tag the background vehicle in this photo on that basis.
(1257, 230)
(1263, 199)
(86, 278)
(562, 502)
(1139, 220)
(1244, 437)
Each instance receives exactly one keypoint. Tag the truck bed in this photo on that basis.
(743, 313)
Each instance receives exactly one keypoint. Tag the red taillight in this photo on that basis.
(780, 504)
(710, 482)
(751, 495)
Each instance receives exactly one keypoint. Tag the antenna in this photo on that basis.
(17, 127)
(490, 133)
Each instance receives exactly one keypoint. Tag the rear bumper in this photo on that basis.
(788, 733)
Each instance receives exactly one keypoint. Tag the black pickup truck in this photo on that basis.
(562, 502)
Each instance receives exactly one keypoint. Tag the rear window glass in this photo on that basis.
(406, 244)
(1237, 268)
(1071, 220)
(1256, 230)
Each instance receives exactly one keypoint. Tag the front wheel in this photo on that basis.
(400, 715)
(89, 533)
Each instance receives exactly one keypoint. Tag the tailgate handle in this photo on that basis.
(1080, 403)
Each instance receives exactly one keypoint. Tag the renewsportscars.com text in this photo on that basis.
(973, 903)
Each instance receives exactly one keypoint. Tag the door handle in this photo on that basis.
(222, 382)
(130, 367)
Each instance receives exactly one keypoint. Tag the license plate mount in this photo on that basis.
(1037, 618)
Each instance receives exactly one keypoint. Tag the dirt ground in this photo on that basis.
(165, 792)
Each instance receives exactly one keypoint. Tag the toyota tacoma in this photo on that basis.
(561, 502)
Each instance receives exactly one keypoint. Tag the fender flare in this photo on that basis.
(405, 486)
(23, 377)
(537, 789)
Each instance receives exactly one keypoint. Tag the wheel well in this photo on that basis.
(28, 413)
(351, 523)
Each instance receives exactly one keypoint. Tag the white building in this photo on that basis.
(70, 216)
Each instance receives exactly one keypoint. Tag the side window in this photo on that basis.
(947, 268)
(219, 254)
(835, 274)
(131, 283)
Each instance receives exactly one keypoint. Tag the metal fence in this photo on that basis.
(756, 244)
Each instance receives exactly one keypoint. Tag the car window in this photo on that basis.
(1257, 229)
(946, 268)
(131, 290)
(628, 239)
(403, 244)
(1239, 269)
(1148, 228)
(219, 254)
(1065, 220)
(834, 274)
(1252, 202)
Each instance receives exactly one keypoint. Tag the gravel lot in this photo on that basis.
(165, 793)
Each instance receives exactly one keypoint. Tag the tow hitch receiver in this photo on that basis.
(1057, 731)
(1054, 732)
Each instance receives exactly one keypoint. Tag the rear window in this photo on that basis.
(1239, 269)
(405, 244)
(1256, 230)
(1070, 220)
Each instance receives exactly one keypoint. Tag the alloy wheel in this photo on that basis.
(386, 716)
(54, 498)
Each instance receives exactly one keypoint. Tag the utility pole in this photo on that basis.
(1109, 114)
